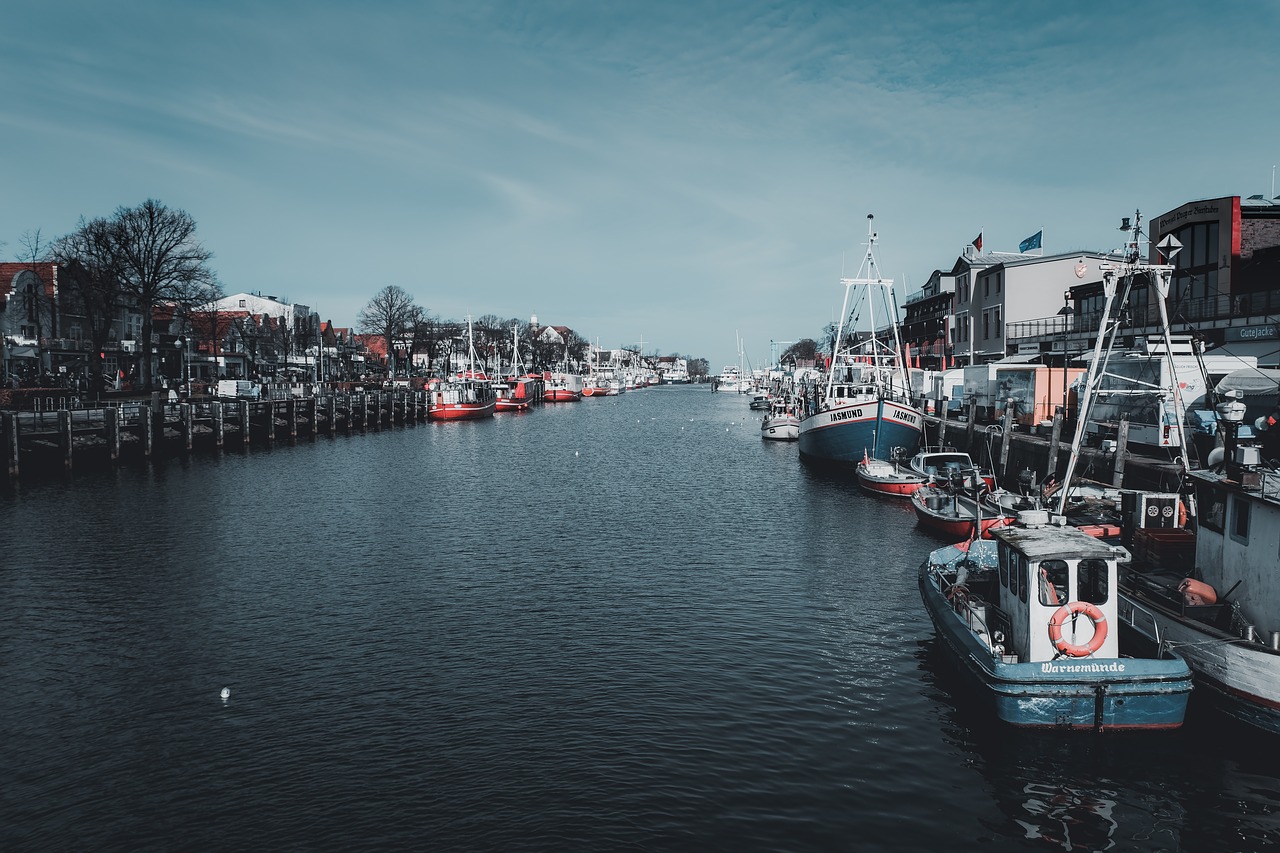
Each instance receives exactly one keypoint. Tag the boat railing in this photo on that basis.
(977, 612)
(1141, 620)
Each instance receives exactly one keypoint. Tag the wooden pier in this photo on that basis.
(138, 428)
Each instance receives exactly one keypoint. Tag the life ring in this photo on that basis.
(1099, 628)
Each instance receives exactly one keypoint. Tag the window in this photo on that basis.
(1213, 510)
(1052, 582)
(986, 325)
(242, 305)
(1004, 565)
(986, 286)
(999, 277)
(1240, 519)
(999, 332)
(1092, 581)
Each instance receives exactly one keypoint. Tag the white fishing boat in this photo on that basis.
(780, 423)
(863, 408)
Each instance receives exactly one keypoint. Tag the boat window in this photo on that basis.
(1022, 578)
(1004, 565)
(1092, 580)
(1213, 512)
(1240, 519)
(1052, 582)
(1015, 572)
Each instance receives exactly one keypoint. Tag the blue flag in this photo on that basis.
(1032, 242)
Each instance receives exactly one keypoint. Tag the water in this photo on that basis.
(622, 624)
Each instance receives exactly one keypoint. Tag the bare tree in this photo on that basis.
(91, 277)
(160, 262)
(39, 302)
(391, 313)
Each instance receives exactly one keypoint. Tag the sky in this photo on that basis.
(682, 175)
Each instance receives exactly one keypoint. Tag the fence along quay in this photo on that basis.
(118, 430)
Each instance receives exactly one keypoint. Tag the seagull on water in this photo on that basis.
(226, 693)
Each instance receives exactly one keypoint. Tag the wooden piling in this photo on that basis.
(245, 422)
(186, 422)
(970, 426)
(1006, 439)
(65, 444)
(10, 423)
(111, 431)
(1122, 445)
(147, 423)
(1055, 439)
(215, 409)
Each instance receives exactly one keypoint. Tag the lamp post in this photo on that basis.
(181, 345)
(1066, 322)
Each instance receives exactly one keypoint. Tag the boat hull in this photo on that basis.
(884, 478)
(783, 428)
(1240, 679)
(845, 435)
(1092, 694)
(562, 395)
(952, 518)
(461, 411)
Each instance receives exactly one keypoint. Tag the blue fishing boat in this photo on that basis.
(863, 407)
(1031, 618)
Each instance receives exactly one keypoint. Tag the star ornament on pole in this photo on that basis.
(1169, 248)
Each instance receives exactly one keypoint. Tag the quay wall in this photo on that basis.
(36, 442)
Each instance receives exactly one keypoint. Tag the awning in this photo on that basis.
(1251, 380)
(23, 352)
(1266, 352)
(1020, 358)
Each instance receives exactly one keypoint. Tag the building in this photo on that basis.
(1226, 280)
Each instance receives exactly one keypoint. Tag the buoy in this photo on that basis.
(1197, 593)
(226, 693)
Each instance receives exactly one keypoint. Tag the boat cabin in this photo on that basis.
(1051, 575)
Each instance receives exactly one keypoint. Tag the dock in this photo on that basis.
(120, 430)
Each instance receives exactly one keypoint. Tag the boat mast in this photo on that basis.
(1112, 275)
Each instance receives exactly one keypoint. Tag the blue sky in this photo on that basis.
(674, 172)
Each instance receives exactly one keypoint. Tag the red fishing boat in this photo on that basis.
(888, 478)
(467, 396)
(958, 513)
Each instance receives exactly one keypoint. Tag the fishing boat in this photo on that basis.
(515, 394)
(759, 401)
(1028, 616)
(780, 423)
(955, 512)
(467, 395)
(928, 467)
(561, 387)
(863, 408)
(517, 391)
(892, 479)
(1220, 609)
(1202, 580)
(945, 465)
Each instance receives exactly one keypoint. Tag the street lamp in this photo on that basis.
(180, 343)
(1066, 322)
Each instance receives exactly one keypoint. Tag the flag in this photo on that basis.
(977, 242)
(1032, 242)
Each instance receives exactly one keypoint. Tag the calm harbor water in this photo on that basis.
(620, 624)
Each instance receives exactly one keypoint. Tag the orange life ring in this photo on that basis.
(1099, 628)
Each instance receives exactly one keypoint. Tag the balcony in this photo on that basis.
(1209, 312)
